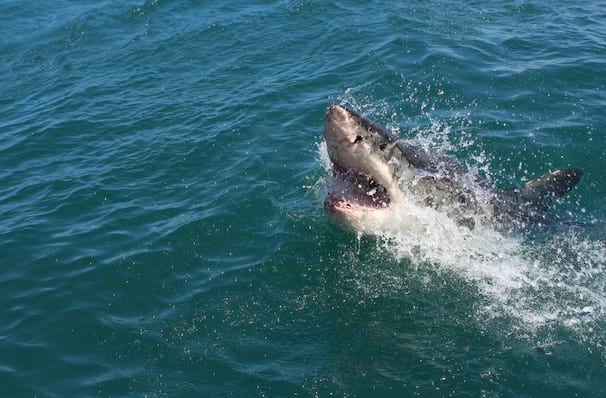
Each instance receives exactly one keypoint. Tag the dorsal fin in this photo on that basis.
(544, 190)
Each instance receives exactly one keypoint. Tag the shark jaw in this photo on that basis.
(355, 191)
(363, 186)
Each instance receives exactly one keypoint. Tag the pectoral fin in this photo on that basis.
(544, 190)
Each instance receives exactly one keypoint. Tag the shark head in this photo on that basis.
(368, 167)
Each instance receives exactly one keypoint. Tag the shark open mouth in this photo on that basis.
(352, 190)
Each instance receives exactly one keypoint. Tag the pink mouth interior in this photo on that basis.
(352, 190)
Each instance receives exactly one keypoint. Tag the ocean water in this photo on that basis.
(162, 171)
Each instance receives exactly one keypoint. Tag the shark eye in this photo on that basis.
(358, 139)
(382, 146)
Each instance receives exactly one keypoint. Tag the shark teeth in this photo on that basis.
(352, 190)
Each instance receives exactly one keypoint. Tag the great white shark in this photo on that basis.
(374, 170)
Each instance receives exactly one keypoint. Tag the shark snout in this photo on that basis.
(339, 125)
(337, 110)
(336, 114)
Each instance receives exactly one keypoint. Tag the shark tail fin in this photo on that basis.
(544, 190)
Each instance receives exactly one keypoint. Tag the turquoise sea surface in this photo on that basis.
(162, 173)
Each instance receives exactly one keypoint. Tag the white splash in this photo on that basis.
(558, 281)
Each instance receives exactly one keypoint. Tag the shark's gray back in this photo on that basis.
(446, 189)
(430, 160)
